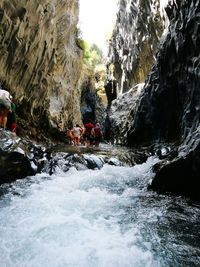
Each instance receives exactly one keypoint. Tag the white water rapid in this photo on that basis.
(92, 218)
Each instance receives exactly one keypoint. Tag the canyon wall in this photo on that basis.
(139, 27)
(169, 107)
(92, 106)
(40, 63)
(136, 38)
(166, 112)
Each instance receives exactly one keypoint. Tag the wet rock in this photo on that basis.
(180, 176)
(19, 157)
(13, 166)
(94, 162)
(64, 161)
(115, 162)
(82, 158)
(167, 153)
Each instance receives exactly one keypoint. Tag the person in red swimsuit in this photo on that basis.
(88, 134)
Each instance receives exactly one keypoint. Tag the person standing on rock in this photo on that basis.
(5, 107)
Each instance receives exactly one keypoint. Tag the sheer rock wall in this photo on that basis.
(120, 113)
(139, 26)
(135, 41)
(40, 61)
(92, 107)
(169, 109)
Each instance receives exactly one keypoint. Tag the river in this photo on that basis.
(96, 218)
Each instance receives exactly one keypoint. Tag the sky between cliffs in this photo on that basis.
(96, 20)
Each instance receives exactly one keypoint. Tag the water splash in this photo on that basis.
(83, 218)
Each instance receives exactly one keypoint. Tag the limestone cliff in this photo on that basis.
(40, 61)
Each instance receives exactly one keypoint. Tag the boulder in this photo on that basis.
(180, 176)
(19, 158)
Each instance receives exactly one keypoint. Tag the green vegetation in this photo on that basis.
(92, 55)
(95, 56)
(94, 63)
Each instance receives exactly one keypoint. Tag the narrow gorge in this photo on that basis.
(165, 110)
(132, 201)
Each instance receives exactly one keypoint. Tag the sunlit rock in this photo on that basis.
(40, 61)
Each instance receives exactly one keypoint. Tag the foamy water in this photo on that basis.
(102, 218)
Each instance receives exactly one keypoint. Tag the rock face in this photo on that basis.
(121, 113)
(180, 176)
(40, 61)
(19, 157)
(91, 104)
(139, 27)
(169, 109)
(135, 40)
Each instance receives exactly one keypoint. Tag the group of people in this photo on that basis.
(7, 111)
(89, 135)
